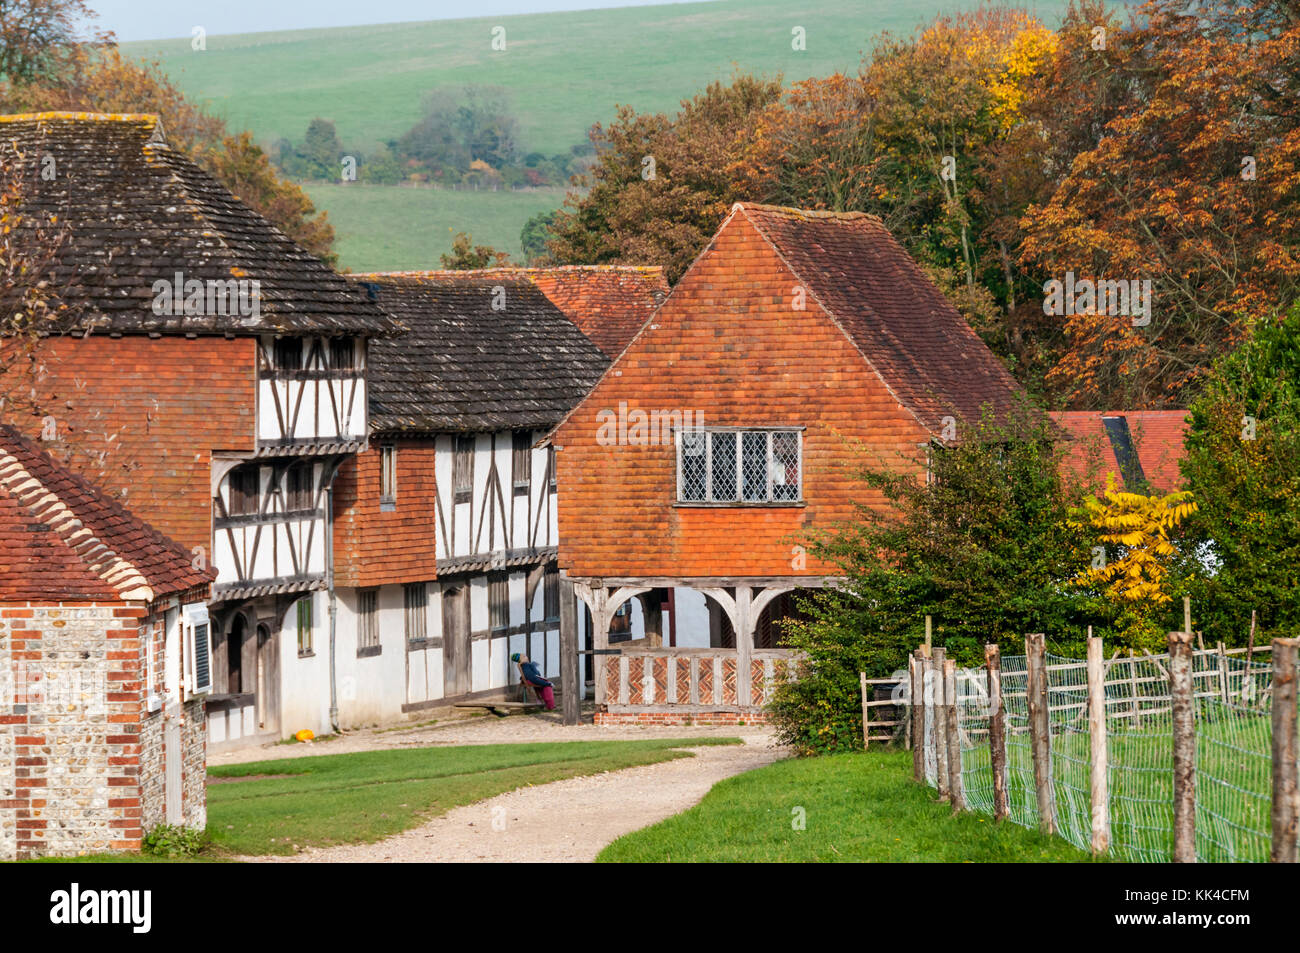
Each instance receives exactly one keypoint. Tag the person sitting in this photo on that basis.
(532, 677)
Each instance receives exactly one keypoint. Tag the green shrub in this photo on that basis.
(168, 840)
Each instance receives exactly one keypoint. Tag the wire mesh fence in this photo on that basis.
(1232, 704)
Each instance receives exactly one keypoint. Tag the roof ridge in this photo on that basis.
(508, 269)
(74, 116)
(43, 503)
(807, 212)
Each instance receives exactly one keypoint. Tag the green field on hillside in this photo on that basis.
(562, 71)
(403, 228)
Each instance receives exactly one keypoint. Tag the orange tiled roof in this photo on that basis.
(608, 303)
(61, 538)
(1157, 438)
(918, 343)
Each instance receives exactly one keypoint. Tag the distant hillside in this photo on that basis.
(564, 71)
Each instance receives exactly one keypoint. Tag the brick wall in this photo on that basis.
(81, 767)
(728, 345)
(168, 401)
(376, 548)
(724, 718)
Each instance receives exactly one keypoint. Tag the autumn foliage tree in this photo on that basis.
(660, 185)
(37, 37)
(466, 256)
(1137, 552)
(1187, 172)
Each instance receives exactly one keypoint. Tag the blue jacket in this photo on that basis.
(533, 675)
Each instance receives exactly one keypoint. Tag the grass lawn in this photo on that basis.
(363, 797)
(858, 807)
(399, 228)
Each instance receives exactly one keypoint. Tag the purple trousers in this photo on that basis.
(546, 694)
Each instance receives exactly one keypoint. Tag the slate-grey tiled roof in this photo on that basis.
(137, 211)
(463, 366)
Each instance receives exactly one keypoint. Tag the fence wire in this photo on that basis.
(1233, 752)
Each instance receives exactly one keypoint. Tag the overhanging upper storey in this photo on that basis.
(311, 394)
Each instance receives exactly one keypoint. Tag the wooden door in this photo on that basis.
(455, 641)
(268, 680)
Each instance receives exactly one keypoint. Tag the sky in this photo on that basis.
(163, 19)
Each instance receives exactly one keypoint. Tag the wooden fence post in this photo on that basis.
(1184, 728)
(916, 664)
(954, 735)
(997, 732)
(1224, 690)
(866, 724)
(940, 722)
(1285, 806)
(1133, 689)
(570, 662)
(1040, 738)
(1099, 778)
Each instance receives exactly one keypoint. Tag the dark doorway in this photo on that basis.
(235, 655)
(455, 641)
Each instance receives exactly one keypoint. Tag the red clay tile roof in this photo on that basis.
(608, 303)
(1157, 437)
(60, 538)
(900, 322)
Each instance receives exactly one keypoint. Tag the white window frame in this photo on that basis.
(739, 498)
(416, 617)
(388, 474)
(368, 639)
(194, 618)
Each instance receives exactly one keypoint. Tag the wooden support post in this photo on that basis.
(916, 699)
(1187, 614)
(1224, 692)
(997, 732)
(928, 653)
(1184, 728)
(570, 670)
(1250, 643)
(1099, 778)
(1133, 689)
(940, 722)
(1040, 739)
(1285, 802)
(951, 713)
(866, 724)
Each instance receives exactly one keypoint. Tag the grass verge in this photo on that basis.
(856, 807)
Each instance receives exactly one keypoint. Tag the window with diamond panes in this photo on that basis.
(739, 466)
(693, 465)
(753, 466)
(785, 465)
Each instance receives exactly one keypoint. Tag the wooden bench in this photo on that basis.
(501, 709)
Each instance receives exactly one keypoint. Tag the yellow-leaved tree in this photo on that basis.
(1131, 566)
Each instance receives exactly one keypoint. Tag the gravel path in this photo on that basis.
(569, 820)
(455, 727)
